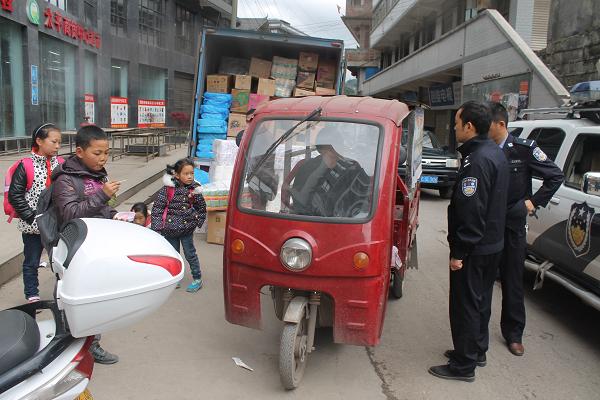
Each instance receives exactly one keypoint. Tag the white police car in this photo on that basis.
(564, 239)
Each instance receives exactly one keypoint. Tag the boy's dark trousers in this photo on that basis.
(471, 290)
(32, 250)
(187, 241)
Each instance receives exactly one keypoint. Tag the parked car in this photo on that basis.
(440, 165)
(564, 238)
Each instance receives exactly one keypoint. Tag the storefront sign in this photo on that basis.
(34, 85)
(7, 5)
(151, 113)
(33, 12)
(90, 107)
(70, 28)
(119, 117)
(441, 95)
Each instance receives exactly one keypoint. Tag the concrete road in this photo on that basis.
(184, 350)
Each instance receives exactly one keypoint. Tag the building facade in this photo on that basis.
(444, 52)
(271, 25)
(119, 63)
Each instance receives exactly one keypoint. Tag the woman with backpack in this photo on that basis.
(180, 208)
(28, 178)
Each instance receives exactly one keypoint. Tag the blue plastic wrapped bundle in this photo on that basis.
(217, 98)
(205, 154)
(201, 176)
(212, 123)
(211, 109)
(208, 138)
(218, 117)
(212, 130)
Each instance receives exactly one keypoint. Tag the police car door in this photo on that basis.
(574, 242)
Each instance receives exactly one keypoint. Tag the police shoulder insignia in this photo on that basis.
(469, 186)
(539, 154)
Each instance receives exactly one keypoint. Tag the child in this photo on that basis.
(82, 190)
(141, 214)
(45, 144)
(180, 208)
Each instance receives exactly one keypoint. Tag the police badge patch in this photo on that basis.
(469, 186)
(539, 154)
(579, 227)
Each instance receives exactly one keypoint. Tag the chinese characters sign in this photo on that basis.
(119, 112)
(7, 5)
(55, 20)
(151, 113)
(90, 105)
(441, 95)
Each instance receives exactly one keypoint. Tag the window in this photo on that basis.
(405, 45)
(12, 111)
(118, 17)
(59, 3)
(58, 80)
(89, 73)
(549, 140)
(448, 21)
(153, 83)
(516, 132)
(184, 30)
(89, 12)
(118, 76)
(584, 157)
(151, 22)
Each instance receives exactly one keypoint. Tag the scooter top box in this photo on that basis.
(112, 273)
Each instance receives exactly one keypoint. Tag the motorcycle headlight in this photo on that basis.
(296, 254)
(452, 163)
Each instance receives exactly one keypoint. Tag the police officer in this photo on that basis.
(476, 216)
(524, 158)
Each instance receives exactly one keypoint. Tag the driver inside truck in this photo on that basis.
(329, 185)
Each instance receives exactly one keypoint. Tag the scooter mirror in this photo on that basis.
(238, 138)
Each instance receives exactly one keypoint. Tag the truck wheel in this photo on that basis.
(397, 283)
(293, 353)
(446, 192)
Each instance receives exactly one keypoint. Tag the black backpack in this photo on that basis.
(47, 218)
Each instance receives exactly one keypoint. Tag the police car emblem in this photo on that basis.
(539, 154)
(578, 229)
(469, 186)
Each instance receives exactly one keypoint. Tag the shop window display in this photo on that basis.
(12, 112)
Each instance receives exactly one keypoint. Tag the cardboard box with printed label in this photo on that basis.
(218, 83)
(243, 82)
(266, 87)
(284, 68)
(308, 62)
(299, 92)
(324, 91)
(237, 123)
(216, 227)
(260, 68)
(306, 80)
(284, 87)
(239, 100)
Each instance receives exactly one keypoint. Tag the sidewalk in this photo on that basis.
(142, 181)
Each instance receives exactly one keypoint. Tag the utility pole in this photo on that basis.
(234, 7)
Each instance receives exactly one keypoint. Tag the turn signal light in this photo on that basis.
(361, 260)
(237, 246)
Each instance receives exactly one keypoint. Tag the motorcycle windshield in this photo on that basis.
(324, 169)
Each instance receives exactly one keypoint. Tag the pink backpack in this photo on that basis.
(29, 172)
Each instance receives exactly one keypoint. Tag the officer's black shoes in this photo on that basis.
(481, 359)
(516, 349)
(445, 372)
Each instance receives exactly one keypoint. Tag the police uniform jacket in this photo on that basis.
(525, 158)
(477, 211)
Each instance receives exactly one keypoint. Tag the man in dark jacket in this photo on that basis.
(525, 158)
(476, 218)
(82, 190)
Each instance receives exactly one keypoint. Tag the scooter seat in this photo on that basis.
(19, 338)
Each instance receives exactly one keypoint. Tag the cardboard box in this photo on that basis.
(324, 91)
(257, 100)
(308, 62)
(239, 100)
(306, 80)
(242, 82)
(237, 123)
(284, 68)
(218, 83)
(284, 87)
(260, 68)
(266, 87)
(234, 66)
(299, 92)
(325, 84)
(327, 71)
(216, 227)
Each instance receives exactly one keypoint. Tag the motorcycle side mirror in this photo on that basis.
(403, 156)
(238, 138)
(591, 183)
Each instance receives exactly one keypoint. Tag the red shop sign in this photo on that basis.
(70, 28)
(7, 5)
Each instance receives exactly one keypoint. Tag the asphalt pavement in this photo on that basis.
(184, 350)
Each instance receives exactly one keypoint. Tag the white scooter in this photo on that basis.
(110, 274)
